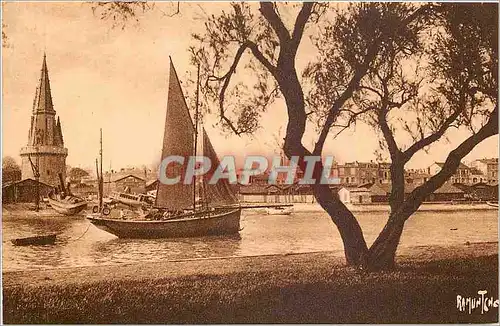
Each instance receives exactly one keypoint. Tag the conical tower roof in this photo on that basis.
(43, 97)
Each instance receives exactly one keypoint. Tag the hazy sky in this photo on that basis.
(117, 80)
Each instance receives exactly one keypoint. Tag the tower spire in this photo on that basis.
(45, 140)
(43, 97)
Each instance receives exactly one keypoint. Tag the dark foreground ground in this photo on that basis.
(301, 288)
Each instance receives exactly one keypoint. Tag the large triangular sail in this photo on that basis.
(220, 193)
(178, 140)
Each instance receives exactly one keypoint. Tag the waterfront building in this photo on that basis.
(352, 174)
(356, 195)
(488, 168)
(416, 176)
(128, 183)
(476, 176)
(381, 192)
(462, 175)
(45, 149)
(24, 191)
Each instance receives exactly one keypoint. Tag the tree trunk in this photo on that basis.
(397, 195)
(382, 253)
(355, 247)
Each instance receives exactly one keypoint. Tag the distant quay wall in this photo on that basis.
(383, 207)
(26, 209)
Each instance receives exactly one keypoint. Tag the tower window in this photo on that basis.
(48, 172)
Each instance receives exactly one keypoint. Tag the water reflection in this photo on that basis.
(121, 250)
(261, 234)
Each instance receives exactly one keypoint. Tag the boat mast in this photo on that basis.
(196, 131)
(203, 187)
(36, 174)
(99, 195)
(101, 178)
(37, 179)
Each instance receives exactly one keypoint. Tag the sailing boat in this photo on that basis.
(101, 207)
(65, 202)
(176, 212)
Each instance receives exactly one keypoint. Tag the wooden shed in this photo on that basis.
(24, 191)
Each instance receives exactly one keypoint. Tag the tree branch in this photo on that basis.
(360, 72)
(300, 24)
(351, 87)
(418, 195)
(371, 89)
(267, 10)
(426, 141)
(352, 119)
(260, 56)
(388, 134)
(227, 77)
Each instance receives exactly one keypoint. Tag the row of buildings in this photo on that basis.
(354, 174)
(374, 184)
(367, 194)
(359, 173)
(44, 158)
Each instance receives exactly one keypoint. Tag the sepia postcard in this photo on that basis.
(249, 162)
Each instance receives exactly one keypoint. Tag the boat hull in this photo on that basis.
(492, 204)
(283, 211)
(216, 223)
(35, 241)
(67, 208)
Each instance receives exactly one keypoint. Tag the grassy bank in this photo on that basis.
(302, 288)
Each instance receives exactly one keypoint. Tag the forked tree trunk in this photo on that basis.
(355, 247)
(382, 253)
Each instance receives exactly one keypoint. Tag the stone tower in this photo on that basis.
(45, 140)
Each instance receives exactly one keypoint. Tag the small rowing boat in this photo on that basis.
(492, 204)
(38, 240)
(279, 210)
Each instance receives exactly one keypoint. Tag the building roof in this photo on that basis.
(274, 187)
(43, 97)
(461, 166)
(261, 189)
(42, 133)
(15, 183)
(127, 176)
(489, 160)
(295, 186)
(379, 189)
(358, 189)
(252, 189)
(448, 188)
(386, 188)
(151, 182)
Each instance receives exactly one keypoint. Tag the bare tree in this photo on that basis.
(122, 12)
(361, 72)
(273, 48)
